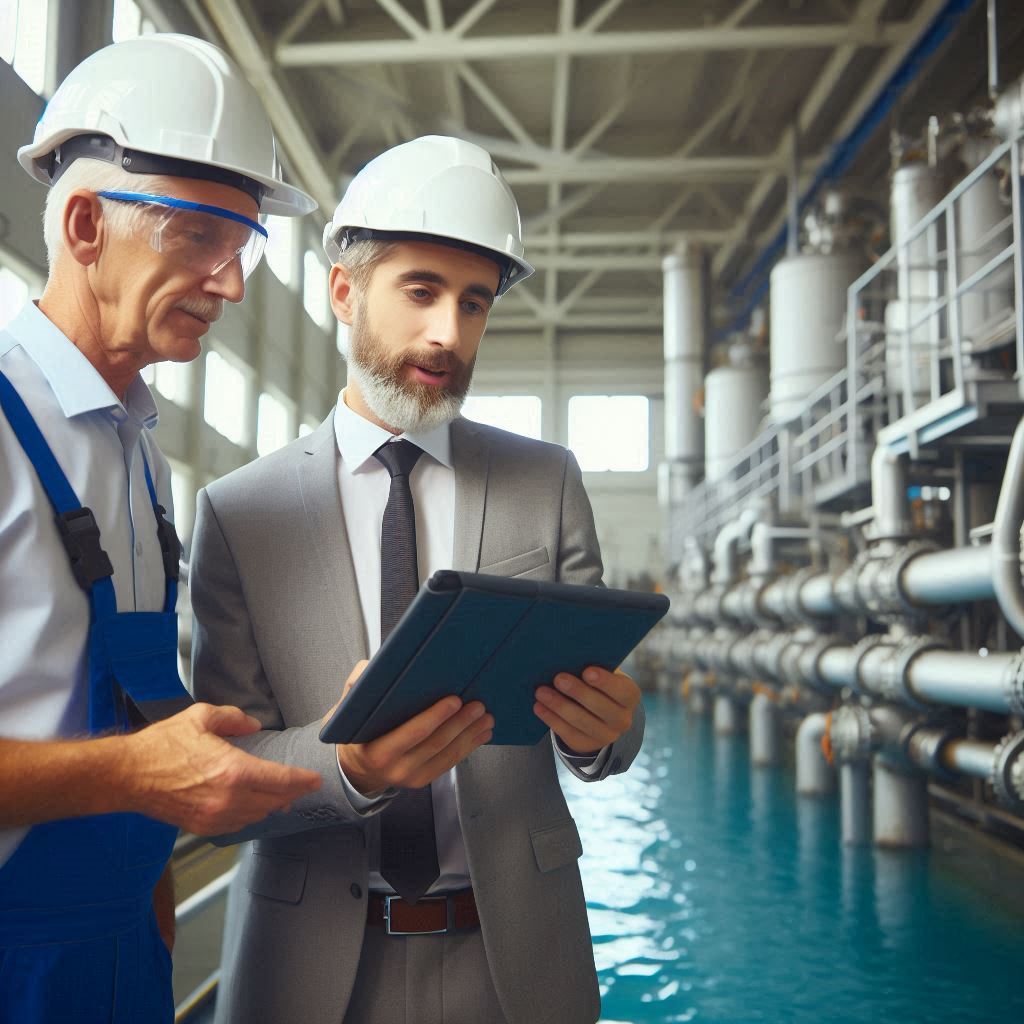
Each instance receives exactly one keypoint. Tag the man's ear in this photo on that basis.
(84, 228)
(342, 294)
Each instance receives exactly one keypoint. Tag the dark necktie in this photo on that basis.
(408, 849)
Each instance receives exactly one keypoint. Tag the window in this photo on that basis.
(314, 289)
(273, 424)
(13, 294)
(307, 427)
(128, 21)
(23, 39)
(224, 403)
(518, 413)
(183, 494)
(172, 380)
(610, 432)
(280, 250)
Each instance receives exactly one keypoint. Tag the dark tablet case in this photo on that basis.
(493, 639)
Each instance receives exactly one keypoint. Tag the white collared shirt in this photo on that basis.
(44, 615)
(364, 484)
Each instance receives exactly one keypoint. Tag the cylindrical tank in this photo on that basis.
(733, 397)
(684, 371)
(808, 320)
(978, 211)
(916, 189)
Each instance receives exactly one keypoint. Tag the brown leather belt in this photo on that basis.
(431, 915)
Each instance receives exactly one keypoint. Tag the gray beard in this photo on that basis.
(409, 410)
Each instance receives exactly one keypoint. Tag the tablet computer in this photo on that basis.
(494, 639)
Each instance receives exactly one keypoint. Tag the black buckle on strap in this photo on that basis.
(170, 546)
(81, 537)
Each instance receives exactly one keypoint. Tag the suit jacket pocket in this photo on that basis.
(556, 845)
(277, 878)
(517, 565)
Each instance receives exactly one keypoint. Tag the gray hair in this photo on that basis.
(363, 257)
(97, 176)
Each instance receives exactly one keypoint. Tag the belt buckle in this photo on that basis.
(392, 931)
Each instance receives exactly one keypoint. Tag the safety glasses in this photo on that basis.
(203, 239)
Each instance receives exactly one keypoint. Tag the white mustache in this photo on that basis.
(206, 309)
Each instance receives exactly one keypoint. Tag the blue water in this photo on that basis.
(715, 894)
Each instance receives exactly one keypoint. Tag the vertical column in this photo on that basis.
(685, 319)
(901, 805)
(77, 28)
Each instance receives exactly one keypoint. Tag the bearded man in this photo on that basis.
(436, 879)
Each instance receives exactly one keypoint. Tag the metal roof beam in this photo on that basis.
(447, 46)
(618, 240)
(295, 137)
(636, 170)
(815, 103)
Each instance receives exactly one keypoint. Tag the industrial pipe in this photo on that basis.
(1006, 536)
(889, 495)
(949, 577)
(992, 683)
(765, 731)
(815, 776)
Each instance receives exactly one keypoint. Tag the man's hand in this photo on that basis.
(418, 751)
(181, 771)
(590, 713)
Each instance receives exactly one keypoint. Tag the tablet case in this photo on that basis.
(493, 639)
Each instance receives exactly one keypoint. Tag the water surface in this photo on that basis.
(715, 894)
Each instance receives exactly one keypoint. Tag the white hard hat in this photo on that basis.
(164, 104)
(434, 187)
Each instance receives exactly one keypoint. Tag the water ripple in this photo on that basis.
(715, 895)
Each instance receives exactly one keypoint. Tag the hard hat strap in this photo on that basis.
(97, 146)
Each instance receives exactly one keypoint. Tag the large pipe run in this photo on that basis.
(949, 577)
(965, 680)
(1006, 539)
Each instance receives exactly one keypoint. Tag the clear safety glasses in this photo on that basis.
(203, 239)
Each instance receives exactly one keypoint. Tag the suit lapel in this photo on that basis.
(318, 484)
(470, 456)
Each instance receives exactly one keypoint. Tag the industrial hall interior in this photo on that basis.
(753, 360)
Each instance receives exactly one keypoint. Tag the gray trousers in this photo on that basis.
(423, 979)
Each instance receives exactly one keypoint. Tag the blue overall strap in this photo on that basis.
(170, 546)
(77, 525)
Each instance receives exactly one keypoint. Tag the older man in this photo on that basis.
(160, 160)
(437, 881)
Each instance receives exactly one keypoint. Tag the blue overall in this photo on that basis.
(78, 934)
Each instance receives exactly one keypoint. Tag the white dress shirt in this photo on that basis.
(44, 614)
(365, 484)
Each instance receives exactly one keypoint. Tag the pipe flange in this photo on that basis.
(810, 663)
(794, 583)
(890, 591)
(758, 613)
(741, 655)
(923, 742)
(1007, 776)
(894, 678)
(789, 661)
(861, 649)
(845, 586)
(1013, 685)
(852, 733)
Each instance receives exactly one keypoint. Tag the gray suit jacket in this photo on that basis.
(278, 627)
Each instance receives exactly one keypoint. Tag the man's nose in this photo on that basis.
(444, 327)
(228, 282)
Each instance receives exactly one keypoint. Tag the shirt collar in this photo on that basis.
(75, 382)
(358, 439)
